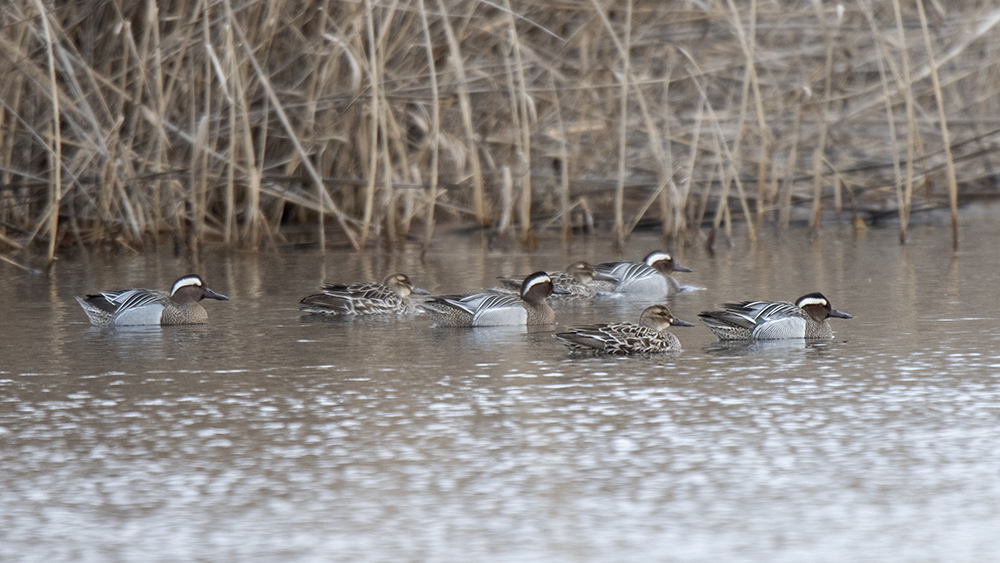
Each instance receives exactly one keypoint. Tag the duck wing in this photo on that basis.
(135, 306)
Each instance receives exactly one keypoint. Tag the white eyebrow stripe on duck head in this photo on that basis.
(186, 281)
(655, 257)
(805, 302)
(533, 281)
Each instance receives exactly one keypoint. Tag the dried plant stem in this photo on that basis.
(159, 103)
(435, 139)
(386, 130)
(902, 195)
(523, 126)
(374, 119)
(466, 108)
(16, 264)
(661, 188)
(623, 51)
(506, 199)
(943, 120)
(785, 203)
(664, 166)
(688, 179)
(563, 166)
(55, 156)
(749, 78)
(913, 130)
(232, 93)
(669, 223)
(821, 106)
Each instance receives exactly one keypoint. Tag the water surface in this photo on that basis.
(266, 437)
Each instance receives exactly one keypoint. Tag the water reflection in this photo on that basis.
(272, 436)
(762, 347)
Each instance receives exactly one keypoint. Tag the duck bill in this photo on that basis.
(420, 291)
(678, 322)
(209, 294)
(600, 276)
(679, 268)
(560, 290)
(839, 314)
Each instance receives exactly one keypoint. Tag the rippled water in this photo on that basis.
(266, 437)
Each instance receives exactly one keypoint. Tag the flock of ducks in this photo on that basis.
(519, 301)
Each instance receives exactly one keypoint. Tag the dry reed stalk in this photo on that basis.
(198, 186)
(506, 200)
(524, 209)
(200, 148)
(785, 195)
(110, 179)
(764, 132)
(232, 88)
(882, 59)
(11, 242)
(817, 172)
(913, 131)
(523, 119)
(680, 224)
(821, 137)
(664, 167)
(159, 104)
(668, 226)
(713, 173)
(388, 195)
(11, 210)
(747, 41)
(623, 48)
(17, 264)
(565, 225)
(943, 123)
(388, 129)
(435, 126)
(260, 223)
(466, 109)
(55, 156)
(661, 188)
(375, 113)
(252, 219)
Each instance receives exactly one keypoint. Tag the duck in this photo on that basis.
(138, 307)
(391, 297)
(649, 336)
(651, 276)
(493, 309)
(774, 320)
(575, 280)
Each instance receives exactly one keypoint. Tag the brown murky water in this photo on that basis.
(263, 437)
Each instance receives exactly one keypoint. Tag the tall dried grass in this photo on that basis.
(240, 121)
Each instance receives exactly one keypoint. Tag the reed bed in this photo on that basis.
(255, 123)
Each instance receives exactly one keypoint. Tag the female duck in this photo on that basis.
(575, 280)
(135, 307)
(491, 309)
(652, 276)
(647, 337)
(392, 296)
(773, 320)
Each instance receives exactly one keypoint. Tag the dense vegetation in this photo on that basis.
(241, 121)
